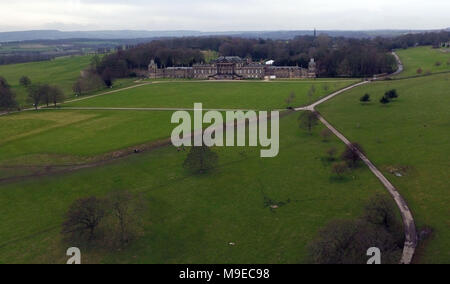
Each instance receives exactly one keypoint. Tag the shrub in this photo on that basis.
(384, 100)
(365, 98)
(391, 94)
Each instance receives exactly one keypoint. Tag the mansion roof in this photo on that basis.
(228, 59)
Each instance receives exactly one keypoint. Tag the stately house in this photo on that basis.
(232, 68)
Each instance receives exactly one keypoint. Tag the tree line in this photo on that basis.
(37, 94)
(335, 56)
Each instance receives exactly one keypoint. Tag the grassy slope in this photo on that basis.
(60, 71)
(411, 132)
(247, 95)
(192, 219)
(423, 57)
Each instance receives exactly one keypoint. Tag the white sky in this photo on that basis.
(223, 15)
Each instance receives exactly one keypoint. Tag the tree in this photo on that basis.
(25, 81)
(200, 160)
(347, 242)
(351, 154)
(56, 95)
(384, 100)
(35, 95)
(4, 83)
(126, 209)
(89, 81)
(7, 96)
(44, 91)
(331, 153)
(83, 217)
(95, 62)
(308, 119)
(107, 77)
(381, 211)
(311, 93)
(365, 98)
(326, 134)
(339, 168)
(290, 99)
(77, 88)
(391, 94)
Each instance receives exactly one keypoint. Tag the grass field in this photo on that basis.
(410, 135)
(242, 95)
(423, 57)
(54, 137)
(192, 219)
(62, 72)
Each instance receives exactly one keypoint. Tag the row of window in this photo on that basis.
(250, 71)
(239, 71)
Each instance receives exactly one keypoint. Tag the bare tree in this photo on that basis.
(307, 120)
(83, 217)
(25, 81)
(200, 160)
(331, 153)
(326, 134)
(339, 168)
(347, 241)
(290, 100)
(56, 95)
(126, 209)
(351, 154)
(7, 96)
(311, 93)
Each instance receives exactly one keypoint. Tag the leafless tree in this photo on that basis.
(83, 217)
(307, 120)
(326, 134)
(339, 168)
(290, 99)
(126, 209)
(351, 154)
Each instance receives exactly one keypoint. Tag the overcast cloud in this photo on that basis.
(224, 15)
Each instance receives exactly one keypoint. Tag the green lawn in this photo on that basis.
(423, 57)
(61, 136)
(243, 95)
(411, 135)
(192, 219)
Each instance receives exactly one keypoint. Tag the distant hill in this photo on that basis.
(134, 34)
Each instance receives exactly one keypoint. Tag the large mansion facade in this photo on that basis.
(232, 68)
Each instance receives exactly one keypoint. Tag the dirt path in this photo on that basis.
(408, 220)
